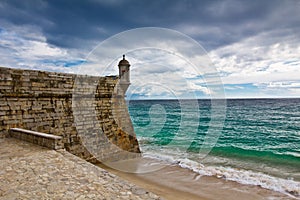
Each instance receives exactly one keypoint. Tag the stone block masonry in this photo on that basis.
(47, 102)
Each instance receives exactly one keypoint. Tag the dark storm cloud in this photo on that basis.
(72, 24)
(66, 23)
(250, 42)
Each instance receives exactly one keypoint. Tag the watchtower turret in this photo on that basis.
(124, 75)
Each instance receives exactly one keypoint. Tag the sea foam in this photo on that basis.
(242, 176)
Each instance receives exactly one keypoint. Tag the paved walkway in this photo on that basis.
(30, 172)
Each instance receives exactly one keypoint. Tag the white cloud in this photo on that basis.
(38, 50)
(194, 87)
(157, 65)
(280, 89)
(234, 87)
(269, 61)
(260, 59)
(168, 73)
(26, 47)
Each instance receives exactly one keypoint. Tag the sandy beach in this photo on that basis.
(173, 182)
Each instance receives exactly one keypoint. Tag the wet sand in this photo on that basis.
(173, 182)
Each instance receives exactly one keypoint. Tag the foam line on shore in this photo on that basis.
(242, 176)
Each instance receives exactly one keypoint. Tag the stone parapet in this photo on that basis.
(42, 139)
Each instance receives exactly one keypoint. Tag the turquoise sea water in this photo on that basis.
(258, 143)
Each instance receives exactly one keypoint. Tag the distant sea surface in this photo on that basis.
(259, 143)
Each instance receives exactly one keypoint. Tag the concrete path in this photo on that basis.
(28, 171)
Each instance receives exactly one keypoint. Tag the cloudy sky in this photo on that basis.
(254, 46)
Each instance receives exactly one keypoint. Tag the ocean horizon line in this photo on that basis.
(230, 98)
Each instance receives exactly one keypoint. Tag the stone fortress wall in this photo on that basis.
(55, 103)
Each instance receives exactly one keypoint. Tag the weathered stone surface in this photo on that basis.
(32, 172)
(81, 109)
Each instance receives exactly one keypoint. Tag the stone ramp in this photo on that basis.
(29, 171)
